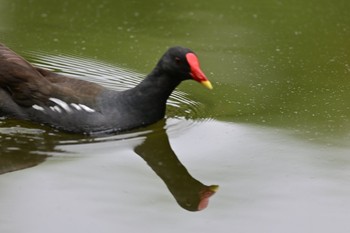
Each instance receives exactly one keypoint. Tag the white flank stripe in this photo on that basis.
(56, 109)
(37, 107)
(61, 103)
(86, 108)
(76, 106)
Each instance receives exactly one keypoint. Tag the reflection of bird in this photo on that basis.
(22, 147)
(13, 160)
(39, 95)
(189, 193)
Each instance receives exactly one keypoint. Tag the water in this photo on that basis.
(273, 134)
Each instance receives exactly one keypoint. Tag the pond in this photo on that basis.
(273, 134)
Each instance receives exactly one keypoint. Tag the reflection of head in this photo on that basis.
(195, 198)
(205, 194)
(189, 193)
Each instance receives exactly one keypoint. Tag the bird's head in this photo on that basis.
(183, 63)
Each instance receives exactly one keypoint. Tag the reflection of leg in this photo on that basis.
(188, 192)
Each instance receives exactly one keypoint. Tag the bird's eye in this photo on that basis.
(177, 60)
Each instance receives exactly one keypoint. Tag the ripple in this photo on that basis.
(25, 144)
(182, 111)
(112, 77)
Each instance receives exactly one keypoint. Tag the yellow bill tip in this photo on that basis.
(207, 84)
(214, 188)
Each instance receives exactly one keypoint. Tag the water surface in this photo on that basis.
(274, 133)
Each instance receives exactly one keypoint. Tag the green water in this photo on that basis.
(274, 62)
(274, 132)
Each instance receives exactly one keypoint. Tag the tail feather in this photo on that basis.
(20, 79)
(9, 56)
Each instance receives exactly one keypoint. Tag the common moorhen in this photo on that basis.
(40, 95)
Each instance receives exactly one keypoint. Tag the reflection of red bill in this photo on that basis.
(205, 194)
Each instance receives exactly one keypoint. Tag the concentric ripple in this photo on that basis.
(182, 112)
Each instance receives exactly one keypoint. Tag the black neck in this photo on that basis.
(157, 85)
(150, 96)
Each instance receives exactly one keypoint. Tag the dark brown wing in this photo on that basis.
(71, 89)
(29, 85)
